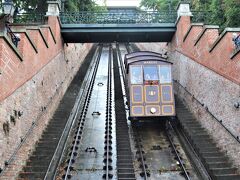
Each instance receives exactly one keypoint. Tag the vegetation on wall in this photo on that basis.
(70, 5)
(224, 13)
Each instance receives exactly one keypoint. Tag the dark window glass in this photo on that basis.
(150, 73)
(136, 74)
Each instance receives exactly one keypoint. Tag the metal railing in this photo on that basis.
(118, 17)
(14, 38)
(29, 18)
(236, 137)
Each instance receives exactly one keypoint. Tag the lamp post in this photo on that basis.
(8, 7)
(8, 11)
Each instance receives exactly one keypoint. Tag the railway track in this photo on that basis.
(174, 147)
(145, 167)
(81, 121)
(37, 166)
(90, 136)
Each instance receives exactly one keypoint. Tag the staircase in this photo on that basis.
(215, 161)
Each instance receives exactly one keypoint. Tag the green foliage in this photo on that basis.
(225, 13)
(232, 13)
(159, 5)
(70, 5)
(31, 5)
(82, 5)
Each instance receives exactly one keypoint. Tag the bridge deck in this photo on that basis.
(161, 32)
(119, 26)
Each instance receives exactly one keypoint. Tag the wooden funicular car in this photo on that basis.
(150, 85)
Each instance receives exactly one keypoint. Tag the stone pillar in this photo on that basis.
(183, 9)
(54, 8)
(183, 22)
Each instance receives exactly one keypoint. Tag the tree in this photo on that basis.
(232, 13)
(217, 12)
(159, 5)
(224, 13)
(31, 5)
(70, 5)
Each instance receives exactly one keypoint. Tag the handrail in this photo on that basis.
(206, 108)
(15, 39)
(86, 17)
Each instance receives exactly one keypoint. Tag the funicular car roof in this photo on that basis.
(143, 56)
(142, 53)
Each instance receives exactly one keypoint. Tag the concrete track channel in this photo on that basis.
(97, 141)
(89, 153)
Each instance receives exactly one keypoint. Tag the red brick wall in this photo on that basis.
(219, 59)
(14, 72)
(33, 85)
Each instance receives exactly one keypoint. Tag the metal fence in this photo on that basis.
(118, 17)
(29, 18)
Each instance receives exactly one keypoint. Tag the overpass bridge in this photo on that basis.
(105, 27)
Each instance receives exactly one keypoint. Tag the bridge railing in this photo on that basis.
(118, 17)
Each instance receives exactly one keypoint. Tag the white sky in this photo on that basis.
(120, 3)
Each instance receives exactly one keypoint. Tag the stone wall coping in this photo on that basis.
(40, 31)
(190, 28)
(226, 30)
(205, 28)
(50, 29)
(182, 2)
(54, 2)
(54, 8)
(12, 46)
(28, 37)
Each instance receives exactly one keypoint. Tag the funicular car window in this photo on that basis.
(150, 73)
(165, 74)
(136, 74)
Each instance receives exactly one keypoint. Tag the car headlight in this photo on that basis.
(153, 110)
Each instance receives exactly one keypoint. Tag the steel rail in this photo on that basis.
(140, 149)
(121, 63)
(108, 135)
(145, 173)
(176, 152)
(82, 119)
(122, 72)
